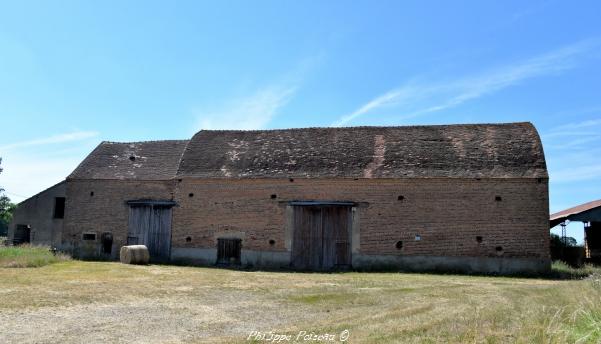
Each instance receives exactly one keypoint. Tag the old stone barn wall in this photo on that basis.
(97, 207)
(461, 224)
(39, 219)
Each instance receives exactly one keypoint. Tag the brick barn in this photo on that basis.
(449, 197)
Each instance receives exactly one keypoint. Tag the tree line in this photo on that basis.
(6, 209)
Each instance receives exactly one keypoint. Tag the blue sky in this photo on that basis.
(75, 73)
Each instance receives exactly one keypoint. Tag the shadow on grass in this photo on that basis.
(559, 271)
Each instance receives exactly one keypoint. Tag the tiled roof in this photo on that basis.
(150, 160)
(511, 150)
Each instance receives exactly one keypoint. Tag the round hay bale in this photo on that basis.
(134, 254)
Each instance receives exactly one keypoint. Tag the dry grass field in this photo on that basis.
(106, 302)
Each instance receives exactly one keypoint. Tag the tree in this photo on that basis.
(6, 209)
(556, 241)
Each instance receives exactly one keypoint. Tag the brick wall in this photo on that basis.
(100, 206)
(38, 213)
(448, 214)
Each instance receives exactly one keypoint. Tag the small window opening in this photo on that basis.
(274, 196)
(400, 198)
(271, 242)
(188, 239)
(498, 198)
(499, 249)
(399, 245)
(191, 194)
(91, 193)
(59, 207)
(479, 239)
(89, 236)
(132, 158)
(418, 237)
(229, 251)
(291, 180)
(106, 240)
(539, 180)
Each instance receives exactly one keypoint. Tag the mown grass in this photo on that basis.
(375, 307)
(26, 256)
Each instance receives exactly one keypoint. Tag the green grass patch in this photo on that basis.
(29, 256)
(562, 270)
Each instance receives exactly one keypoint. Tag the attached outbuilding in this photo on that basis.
(448, 197)
(39, 219)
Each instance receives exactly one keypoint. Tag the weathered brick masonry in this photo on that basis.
(447, 214)
(98, 206)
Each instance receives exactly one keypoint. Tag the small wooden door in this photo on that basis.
(229, 251)
(150, 225)
(321, 239)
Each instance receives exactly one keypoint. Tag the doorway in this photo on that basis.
(321, 236)
(150, 225)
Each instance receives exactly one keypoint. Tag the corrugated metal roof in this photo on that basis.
(575, 210)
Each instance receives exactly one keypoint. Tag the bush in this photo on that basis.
(26, 256)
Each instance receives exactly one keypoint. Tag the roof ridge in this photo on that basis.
(373, 127)
(148, 141)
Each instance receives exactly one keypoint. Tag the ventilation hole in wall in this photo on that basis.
(539, 180)
(355, 178)
(271, 242)
(132, 158)
(274, 196)
(89, 236)
(91, 193)
(498, 198)
(188, 239)
(400, 198)
(191, 194)
(398, 245)
(291, 180)
(479, 239)
(499, 249)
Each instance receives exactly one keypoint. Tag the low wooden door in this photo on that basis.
(150, 225)
(321, 239)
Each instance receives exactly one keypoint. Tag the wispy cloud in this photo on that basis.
(251, 112)
(257, 108)
(60, 138)
(579, 125)
(418, 98)
(573, 174)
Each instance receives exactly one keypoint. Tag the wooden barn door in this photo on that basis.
(321, 239)
(150, 225)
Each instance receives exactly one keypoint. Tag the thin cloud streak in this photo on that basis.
(61, 138)
(251, 112)
(257, 109)
(417, 99)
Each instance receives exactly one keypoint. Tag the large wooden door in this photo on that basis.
(150, 225)
(321, 237)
